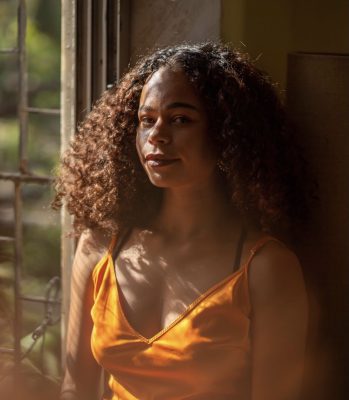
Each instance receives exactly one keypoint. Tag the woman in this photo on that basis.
(177, 179)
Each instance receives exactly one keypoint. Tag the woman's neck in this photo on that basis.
(190, 212)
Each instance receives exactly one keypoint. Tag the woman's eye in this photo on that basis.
(180, 119)
(147, 121)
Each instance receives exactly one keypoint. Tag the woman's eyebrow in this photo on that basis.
(177, 104)
(145, 108)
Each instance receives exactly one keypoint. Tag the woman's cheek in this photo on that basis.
(139, 144)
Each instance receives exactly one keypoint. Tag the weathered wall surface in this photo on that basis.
(157, 23)
(318, 100)
(271, 29)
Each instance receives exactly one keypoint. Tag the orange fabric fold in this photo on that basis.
(204, 354)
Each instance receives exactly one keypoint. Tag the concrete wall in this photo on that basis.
(156, 23)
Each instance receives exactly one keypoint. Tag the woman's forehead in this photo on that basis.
(168, 84)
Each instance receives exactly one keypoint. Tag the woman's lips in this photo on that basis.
(155, 160)
(160, 162)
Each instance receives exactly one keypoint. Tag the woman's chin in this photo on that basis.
(162, 181)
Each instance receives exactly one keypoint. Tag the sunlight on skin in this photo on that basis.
(167, 280)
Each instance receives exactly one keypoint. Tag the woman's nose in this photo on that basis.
(159, 134)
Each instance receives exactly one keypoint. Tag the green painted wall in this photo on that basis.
(270, 29)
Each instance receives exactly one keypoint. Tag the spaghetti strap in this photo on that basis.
(112, 244)
(239, 247)
(118, 241)
(260, 244)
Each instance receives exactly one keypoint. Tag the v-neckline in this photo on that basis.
(181, 316)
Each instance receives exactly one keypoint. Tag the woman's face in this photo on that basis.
(172, 136)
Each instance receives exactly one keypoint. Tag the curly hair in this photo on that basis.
(104, 185)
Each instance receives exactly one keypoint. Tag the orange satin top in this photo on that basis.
(204, 354)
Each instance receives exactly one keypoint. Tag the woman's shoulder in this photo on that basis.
(274, 268)
(95, 240)
(92, 245)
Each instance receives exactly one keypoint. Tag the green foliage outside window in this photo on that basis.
(41, 231)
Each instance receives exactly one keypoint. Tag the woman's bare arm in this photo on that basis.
(279, 324)
(82, 373)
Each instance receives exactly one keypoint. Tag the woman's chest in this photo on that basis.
(154, 290)
(207, 341)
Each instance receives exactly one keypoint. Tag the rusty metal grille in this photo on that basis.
(20, 179)
(94, 53)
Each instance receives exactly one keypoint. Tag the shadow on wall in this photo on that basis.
(318, 102)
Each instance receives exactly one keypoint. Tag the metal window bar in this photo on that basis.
(94, 40)
(24, 176)
(95, 47)
(102, 48)
(8, 51)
